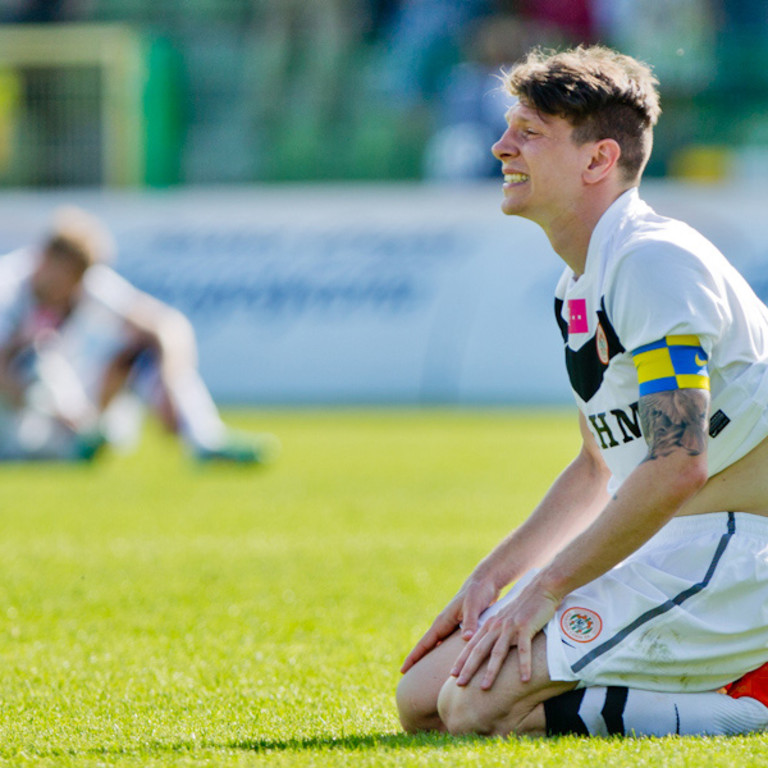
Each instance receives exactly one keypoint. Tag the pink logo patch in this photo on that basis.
(577, 314)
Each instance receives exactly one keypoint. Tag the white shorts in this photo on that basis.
(687, 612)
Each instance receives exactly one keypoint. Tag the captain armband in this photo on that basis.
(674, 362)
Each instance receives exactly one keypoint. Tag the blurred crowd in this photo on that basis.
(398, 88)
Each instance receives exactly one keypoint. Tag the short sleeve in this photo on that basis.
(105, 286)
(660, 290)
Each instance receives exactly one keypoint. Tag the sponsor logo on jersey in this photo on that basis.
(618, 423)
(581, 624)
(577, 316)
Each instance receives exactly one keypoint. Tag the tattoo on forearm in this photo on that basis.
(674, 420)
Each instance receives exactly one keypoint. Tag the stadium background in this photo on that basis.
(311, 182)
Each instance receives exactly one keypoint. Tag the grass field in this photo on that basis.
(158, 613)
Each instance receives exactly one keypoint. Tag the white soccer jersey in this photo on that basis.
(651, 281)
(94, 332)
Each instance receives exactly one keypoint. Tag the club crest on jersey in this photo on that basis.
(601, 342)
(581, 624)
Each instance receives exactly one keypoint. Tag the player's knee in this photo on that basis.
(406, 705)
(416, 712)
(472, 710)
(182, 331)
(463, 711)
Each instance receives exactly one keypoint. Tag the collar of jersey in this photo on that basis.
(606, 226)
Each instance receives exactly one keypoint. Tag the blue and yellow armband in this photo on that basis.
(674, 362)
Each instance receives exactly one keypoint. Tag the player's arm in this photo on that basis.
(152, 322)
(167, 328)
(675, 468)
(10, 388)
(151, 325)
(575, 498)
(12, 341)
(573, 501)
(673, 408)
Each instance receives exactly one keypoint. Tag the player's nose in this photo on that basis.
(505, 146)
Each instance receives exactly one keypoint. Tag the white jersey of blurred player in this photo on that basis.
(74, 369)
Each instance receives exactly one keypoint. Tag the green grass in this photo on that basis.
(158, 613)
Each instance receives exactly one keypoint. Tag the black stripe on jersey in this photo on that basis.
(585, 369)
(561, 324)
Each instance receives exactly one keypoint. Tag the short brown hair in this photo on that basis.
(603, 94)
(80, 237)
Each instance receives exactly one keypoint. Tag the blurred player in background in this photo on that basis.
(641, 577)
(80, 346)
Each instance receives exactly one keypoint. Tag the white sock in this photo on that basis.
(199, 422)
(200, 425)
(603, 711)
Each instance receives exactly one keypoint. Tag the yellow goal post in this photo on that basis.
(116, 52)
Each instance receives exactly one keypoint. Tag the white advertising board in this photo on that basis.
(373, 293)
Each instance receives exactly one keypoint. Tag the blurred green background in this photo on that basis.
(167, 92)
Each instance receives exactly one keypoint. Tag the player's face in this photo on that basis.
(57, 281)
(542, 165)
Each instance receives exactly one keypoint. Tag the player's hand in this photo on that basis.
(514, 626)
(463, 611)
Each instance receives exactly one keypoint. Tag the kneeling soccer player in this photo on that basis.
(641, 576)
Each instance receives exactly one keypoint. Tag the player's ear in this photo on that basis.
(603, 159)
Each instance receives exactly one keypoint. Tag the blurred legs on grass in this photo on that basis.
(122, 423)
(185, 407)
(58, 422)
